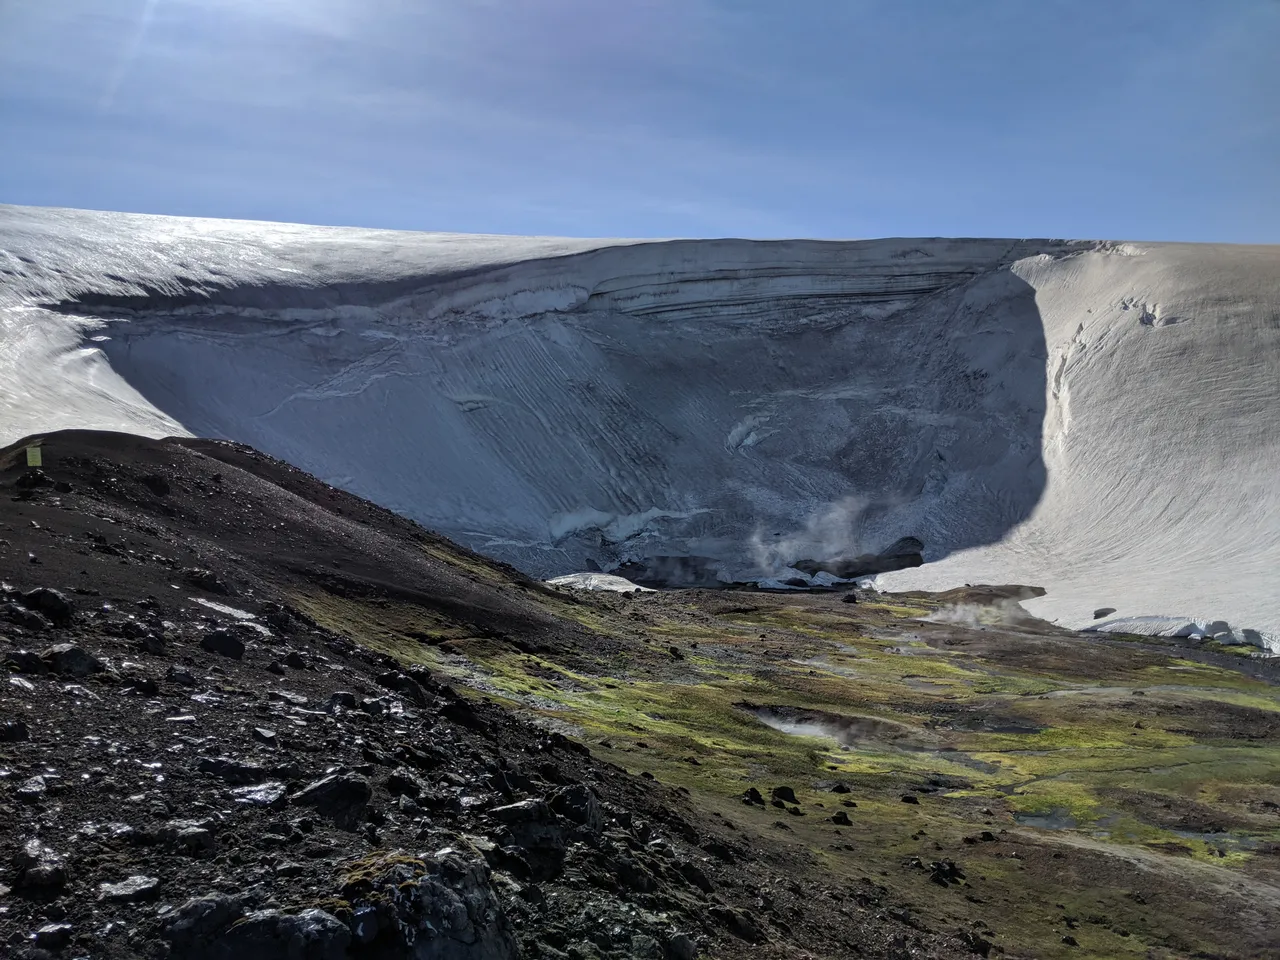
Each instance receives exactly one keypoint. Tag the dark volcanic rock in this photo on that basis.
(223, 641)
(156, 484)
(269, 794)
(52, 603)
(217, 928)
(578, 804)
(444, 907)
(739, 923)
(20, 616)
(14, 731)
(192, 836)
(899, 555)
(191, 927)
(24, 661)
(53, 936)
(342, 699)
(37, 867)
(232, 770)
(33, 479)
(130, 890)
(341, 798)
(397, 681)
(785, 794)
(271, 935)
(206, 580)
(404, 783)
(31, 790)
(536, 829)
(945, 872)
(70, 661)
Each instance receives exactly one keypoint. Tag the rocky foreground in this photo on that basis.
(193, 766)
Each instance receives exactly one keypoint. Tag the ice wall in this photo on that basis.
(1096, 418)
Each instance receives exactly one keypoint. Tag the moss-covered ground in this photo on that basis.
(1103, 797)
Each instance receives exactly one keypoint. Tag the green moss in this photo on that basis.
(1060, 798)
(897, 610)
(1016, 686)
(399, 630)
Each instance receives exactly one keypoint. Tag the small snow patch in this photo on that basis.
(248, 619)
(599, 581)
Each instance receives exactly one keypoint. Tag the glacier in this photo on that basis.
(1098, 418)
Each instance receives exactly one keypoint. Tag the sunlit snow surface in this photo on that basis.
(598, 581)
(1101, 419)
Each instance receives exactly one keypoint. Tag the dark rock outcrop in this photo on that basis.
(340, 797)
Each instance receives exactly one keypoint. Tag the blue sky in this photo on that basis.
(1133, 119)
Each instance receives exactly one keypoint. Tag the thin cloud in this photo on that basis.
(128, 55)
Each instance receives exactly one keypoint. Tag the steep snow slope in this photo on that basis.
(1161, 438)
(1096, 418)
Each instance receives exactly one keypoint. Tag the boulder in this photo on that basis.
(37, 867)
(540, 834)
(20, 616)
(340, 797)
(190, 927)
(53, 936)
(271, 935)
(32, 790)
(133, 889)
(68, 660)
(945, 872)
(24, 661)
(899, 555)
(191, 836)
(696, 876)
(403, 782)
(343, 699)
(739, 923)
(206, 580)
(269, 794)
(404, 685)
(52, 603)
(443, 907)
(681, 947)
(232, 770)
(578, 804)
(223, 642)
